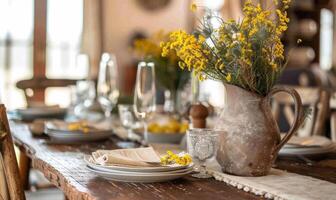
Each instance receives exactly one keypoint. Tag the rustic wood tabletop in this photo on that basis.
(63, 166)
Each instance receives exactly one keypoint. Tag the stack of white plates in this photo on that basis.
(31, 114)
(308, 146)
(60, 134)
(138, 174)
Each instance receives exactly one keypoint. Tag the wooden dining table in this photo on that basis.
(64, 167)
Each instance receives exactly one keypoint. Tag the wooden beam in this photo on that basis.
(40, 44)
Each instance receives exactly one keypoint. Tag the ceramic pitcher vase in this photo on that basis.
(250, 139)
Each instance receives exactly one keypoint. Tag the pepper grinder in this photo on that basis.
(198, 113)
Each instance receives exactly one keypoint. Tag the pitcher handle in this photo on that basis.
(298, 112)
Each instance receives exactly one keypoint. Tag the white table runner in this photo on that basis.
(280, 185)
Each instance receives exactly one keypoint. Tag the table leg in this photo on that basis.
(24, 167)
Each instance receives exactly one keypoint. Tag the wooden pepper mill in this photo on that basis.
(198, 113)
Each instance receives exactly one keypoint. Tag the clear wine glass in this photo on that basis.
(144, 94)
(202, 146)
(107, 87)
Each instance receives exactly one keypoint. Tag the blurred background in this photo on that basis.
(65, 39)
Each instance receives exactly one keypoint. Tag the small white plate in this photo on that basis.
(308, 150)
(139, 177)
(77, 137)
(58, 131)
(69, 137)
(88, 159)
(30, 114)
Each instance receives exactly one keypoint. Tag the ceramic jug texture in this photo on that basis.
(250, 138)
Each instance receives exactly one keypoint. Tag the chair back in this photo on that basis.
(38, 85)
(10, 165)
(316, 99)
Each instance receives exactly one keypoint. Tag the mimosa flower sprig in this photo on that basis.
(169, 75)
(180, 159)
(246, 53)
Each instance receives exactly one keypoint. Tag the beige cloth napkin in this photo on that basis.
(128, 157)
(3, 186)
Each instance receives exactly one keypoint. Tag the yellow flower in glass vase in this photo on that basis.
(189, 49)
(193, 7)
(145, 47)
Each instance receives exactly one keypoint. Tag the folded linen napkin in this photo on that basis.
(144, 157)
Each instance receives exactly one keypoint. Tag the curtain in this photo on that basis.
(3, 184)
(92, 34)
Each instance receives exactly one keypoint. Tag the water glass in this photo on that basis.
(202, 146)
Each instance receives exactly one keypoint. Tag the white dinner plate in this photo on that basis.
(89, 162)
(309, 141)
(306, 151)
(69, 136)
(139, 177)
(31, 114)
(112, 171)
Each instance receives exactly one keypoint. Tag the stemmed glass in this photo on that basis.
(107, 87)
(202, 146)
(144, 94)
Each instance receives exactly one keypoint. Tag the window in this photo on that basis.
(16, 37)
(64, 31)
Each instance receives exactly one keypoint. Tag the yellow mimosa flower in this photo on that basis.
(228, 77)
(193, 7)
(247, 53)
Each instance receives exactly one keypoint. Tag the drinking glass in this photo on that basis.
(107, 87)
(85, 95)
(144, 94)
(202, 146)
(128, 119)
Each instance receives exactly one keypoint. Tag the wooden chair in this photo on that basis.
(31, 86)
(316, 99)
(10, 184)
(11, 169)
